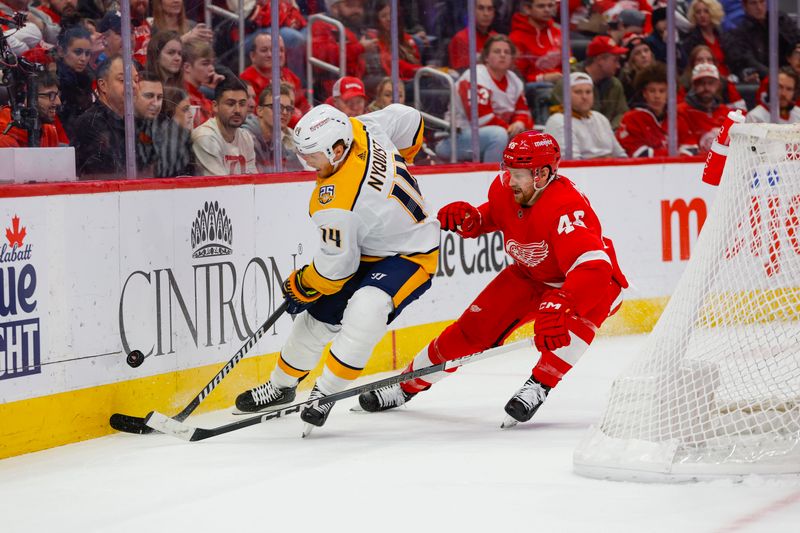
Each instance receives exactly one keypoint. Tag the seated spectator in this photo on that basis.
(259, 73)
(148, 97)
(502, 111)
(643, 130)
(639, 57)
(165, 58)
(30, 35)
(602, 63)
(458, 49)
(706, 17)
(74, 78)
(47, 102)
(728, 93)
(658, 38)
(349, 96)
(734, 13)
(702, 113)
(110, 27)
(384, 95)
(141, 28)
(538, 41)
(100, 131)
(325, 39)
(788, 83)
(747, 47)
(262, 131)
(793, 61)
(628, 22)
(592, 136)
(291, 26)
(51, 13)
(198, 70)
(173, 137)
(408, 61)
(221, 147)
(170, 15)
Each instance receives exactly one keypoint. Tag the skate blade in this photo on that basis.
(307, 429)
(509, 422)
(358, 409)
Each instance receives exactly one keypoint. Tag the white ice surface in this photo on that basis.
(440, 464)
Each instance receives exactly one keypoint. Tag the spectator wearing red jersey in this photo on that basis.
(292, 29)
(325, 40)
(409, 60)
(788, 83)
(706, 18)
(458, 49)
(538, 41)
(793, 61)
(141, 27)
(47, 103)
(198, 70)
(259, 73)
(728, 93)
(502, 110)
(643, 130)
(702, 113)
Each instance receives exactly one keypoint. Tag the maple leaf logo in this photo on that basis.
(15, 234)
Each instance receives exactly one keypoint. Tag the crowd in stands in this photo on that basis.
(196, 114)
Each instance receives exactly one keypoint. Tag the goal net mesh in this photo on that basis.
(716, 389)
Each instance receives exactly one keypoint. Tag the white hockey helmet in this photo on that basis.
(320, 129)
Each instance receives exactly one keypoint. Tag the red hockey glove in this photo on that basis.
(550, 323)
(462, 218)
(298, 297)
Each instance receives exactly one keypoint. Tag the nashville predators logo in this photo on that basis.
(326, 194)
(529, 255)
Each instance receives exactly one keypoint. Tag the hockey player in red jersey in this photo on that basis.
(565, 277)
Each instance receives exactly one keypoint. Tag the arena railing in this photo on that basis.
(239, 16)
(450, 123)
(312, 61)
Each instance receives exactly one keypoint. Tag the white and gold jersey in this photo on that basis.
(371, 207)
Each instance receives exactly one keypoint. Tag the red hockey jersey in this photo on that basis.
(552, 238)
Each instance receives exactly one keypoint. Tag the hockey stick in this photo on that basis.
(135, 424)
(177, 428)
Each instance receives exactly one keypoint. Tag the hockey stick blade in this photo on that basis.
(129, 424)
(178, 429)
(138, 425)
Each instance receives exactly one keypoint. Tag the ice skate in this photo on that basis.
(524, 404)
(263, 397)
(315, 415)
(384, 398)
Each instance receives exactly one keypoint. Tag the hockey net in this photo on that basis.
(716, 389)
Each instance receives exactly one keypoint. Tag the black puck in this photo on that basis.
(135, 358)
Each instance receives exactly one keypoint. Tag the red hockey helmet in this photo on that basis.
(533, 150)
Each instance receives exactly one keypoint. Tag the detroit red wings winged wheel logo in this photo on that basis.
(528, 254)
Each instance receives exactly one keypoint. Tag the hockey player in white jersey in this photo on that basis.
(378, 251)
